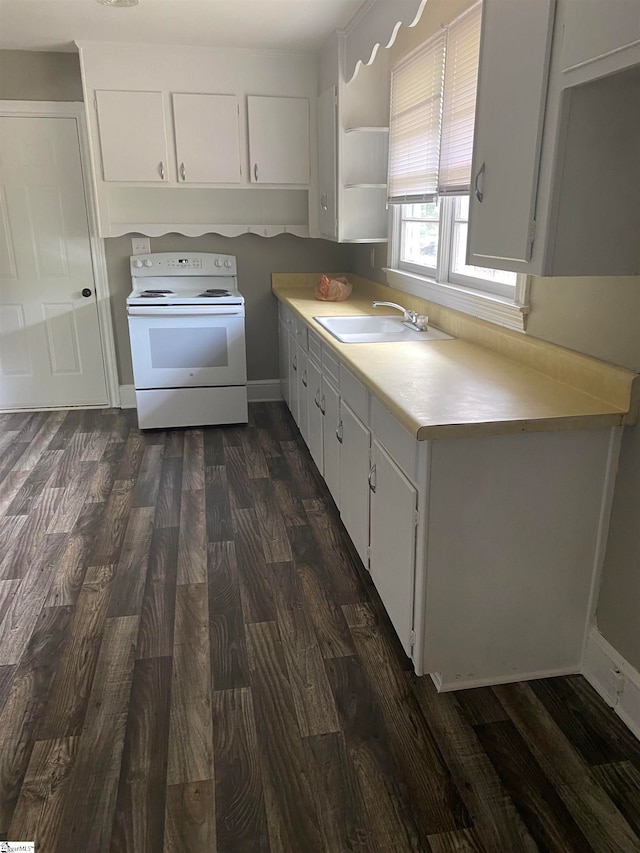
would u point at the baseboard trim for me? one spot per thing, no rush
(258, 391)
(127, 397)
(614, 678)
(443, 686)
(263, 390)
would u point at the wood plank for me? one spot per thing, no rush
(458, 841)
(148, 481)
(193, 464)
(190, 821)
(131, 571)
(229, 666)
(389, 820)
(34, 483)
(102, 481)
(139, 815)
(72, 565)
(108, 544)
(218, 508)
(6, 680)
(594, 730)
(240, 809)
(256, 463)
(169, 492)
(289, 503)
(192, 543)
(174, 444)
(10, 487)
(90, 806)
(158, 606)
(24, 548)
(436, 804)
(480, 705)
(40, 807)
(7, 592)
(275, 543)
(291, 813)
(621, 781)
(74, 449)
(255, 577)
(191, 735)
(591, 808)
(21, 616)
(38, 443)
(547, 818)
(340, 808)
(131, 458)
(312, 696)
(68, 696)
(214, 446)
(495, 816)
(240, 487)
(73, 500)
(24, 704)
(329, 623)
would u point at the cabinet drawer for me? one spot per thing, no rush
(330, 366)
(400, 444)
(315, 346)
(355, 394)
(285, 315)
(301, 334)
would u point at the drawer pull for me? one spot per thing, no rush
(339, 431)
(372, 478)
(304, 378)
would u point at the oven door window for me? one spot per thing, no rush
(174, 352)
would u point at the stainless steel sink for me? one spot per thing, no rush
(375, 328)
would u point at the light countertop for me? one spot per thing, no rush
(452, 388)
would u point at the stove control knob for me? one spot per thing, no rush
(148, 263)
(218, 262)
(227, 264)
(137, 264)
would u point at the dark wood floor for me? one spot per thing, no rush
(192, 659)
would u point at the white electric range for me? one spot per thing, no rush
(186, 327)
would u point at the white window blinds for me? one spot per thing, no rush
(433, 96)
(414, 125)
(459, 103)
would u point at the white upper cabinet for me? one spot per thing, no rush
(327, 175)
(512, 85)
(278, 140)
(133, 139)
(207, 138)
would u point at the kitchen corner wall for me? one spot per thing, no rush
(257, 258)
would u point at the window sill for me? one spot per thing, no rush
(484, 306)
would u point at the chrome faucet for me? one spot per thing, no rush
(410, 318)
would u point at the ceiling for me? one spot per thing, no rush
(291, 25)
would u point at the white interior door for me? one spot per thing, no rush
(50, 349)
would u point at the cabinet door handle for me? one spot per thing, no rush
(183, 172)
(161, 170)
(304, 378)
(323, 201)
(294, 362)
(322, 407)
(316, 400)
(372, 478)
(255, 171)
(479, 193)
(339, 432)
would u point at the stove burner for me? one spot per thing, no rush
(213, 292)
(150, 294)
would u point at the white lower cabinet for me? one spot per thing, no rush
(355, 446)
(283, 360)
(484, 550)
(392, 561)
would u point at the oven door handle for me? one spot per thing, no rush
(183, 310)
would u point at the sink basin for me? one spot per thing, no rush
(376, 328)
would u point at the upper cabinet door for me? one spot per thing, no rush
(278, 140)
(327, 176)
(596, 28)
(132, 135)
(207, 138)
(512, 87)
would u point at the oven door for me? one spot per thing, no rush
(181, 346)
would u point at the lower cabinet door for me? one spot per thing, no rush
(315, 418)
(283, 358)
(393, 540)
(354, 471)
(330, 443)
(303, 395)
(293, 378)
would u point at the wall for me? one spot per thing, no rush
(257, 258)
(27, 75)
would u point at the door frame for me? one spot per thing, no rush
(75, 110)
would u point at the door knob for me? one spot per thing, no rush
(86, 292)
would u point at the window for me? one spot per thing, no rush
(433, 92)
